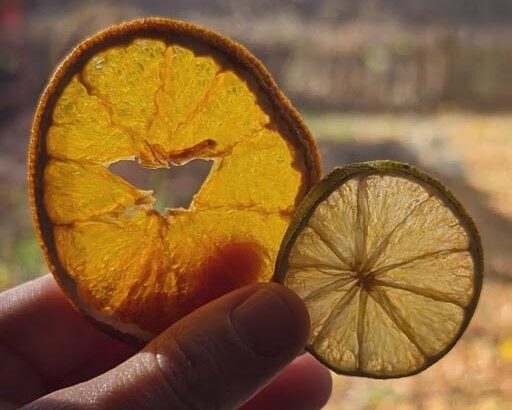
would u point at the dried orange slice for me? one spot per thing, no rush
(389, 265)
(163, 92)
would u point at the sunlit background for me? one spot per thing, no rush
(423, 81)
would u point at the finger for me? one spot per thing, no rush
(216, 358)
(48, 342)
(303, 385)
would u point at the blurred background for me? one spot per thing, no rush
(423, 81)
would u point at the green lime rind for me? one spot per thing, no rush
(337, 177)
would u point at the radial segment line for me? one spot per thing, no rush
(107, 217)
(363, 298)
(155, 155)
(331, 247)
(338, 283)
(338, 308)
(201, 101)
(156, 108)
(381, 247)
(385, 304)
(426, 255)
(361, 228)
(318, 266)
(108, 106)
(429, 294)
(321, 271)
(89, 88)
(246, 207)
(81, 161)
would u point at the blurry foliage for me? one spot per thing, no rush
(27, 254)
(327, 54)
(20, 256)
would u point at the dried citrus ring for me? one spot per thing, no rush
(163, 92)
(389, 265)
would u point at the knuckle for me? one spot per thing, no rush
(190, 372)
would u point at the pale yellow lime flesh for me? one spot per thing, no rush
(389, 266)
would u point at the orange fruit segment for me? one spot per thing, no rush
(162, 92)
(389, 265)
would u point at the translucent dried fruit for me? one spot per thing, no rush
(389, 266)
(162, 92)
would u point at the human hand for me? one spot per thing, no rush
(216, 358)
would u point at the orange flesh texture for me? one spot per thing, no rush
(161, 103)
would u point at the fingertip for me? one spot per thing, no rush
(272, 320)
(296, 306)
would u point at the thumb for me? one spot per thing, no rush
(215, 358)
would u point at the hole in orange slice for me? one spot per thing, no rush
(172, 187)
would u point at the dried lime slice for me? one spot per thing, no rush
(389, 265)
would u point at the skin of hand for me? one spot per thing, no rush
(239, 351)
